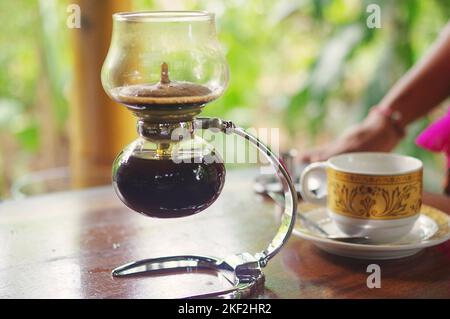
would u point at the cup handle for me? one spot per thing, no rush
(305, 177)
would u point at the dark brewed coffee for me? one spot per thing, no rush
(165, 189)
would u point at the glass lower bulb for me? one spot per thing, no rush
(163, 188)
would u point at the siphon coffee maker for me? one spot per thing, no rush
(165, 67)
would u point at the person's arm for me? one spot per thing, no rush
(424, 86)
(421, 89)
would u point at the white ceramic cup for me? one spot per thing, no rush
(377, 195)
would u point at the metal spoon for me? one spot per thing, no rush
(278, 199)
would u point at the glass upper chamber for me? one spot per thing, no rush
(164, 65)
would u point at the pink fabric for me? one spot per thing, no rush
(436, 137)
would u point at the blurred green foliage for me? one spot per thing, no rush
(310, 67)
(35, 72)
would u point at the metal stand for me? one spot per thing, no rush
(242, 270)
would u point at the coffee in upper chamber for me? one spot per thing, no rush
(150, 96)
(165, 94)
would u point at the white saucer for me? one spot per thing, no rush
(431, 228)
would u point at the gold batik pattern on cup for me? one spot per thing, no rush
(374, 196)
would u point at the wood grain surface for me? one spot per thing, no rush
(65, 245)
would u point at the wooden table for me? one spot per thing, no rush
(65, 245)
